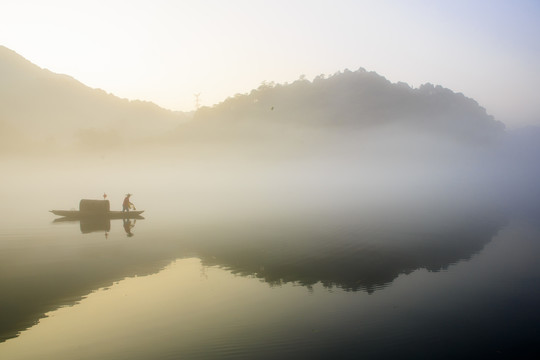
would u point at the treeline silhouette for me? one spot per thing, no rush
(41, 110)
(358, 99)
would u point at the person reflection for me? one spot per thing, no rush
(128, 225)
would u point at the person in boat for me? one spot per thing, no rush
(126, 205)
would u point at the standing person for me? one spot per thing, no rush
(127, 204)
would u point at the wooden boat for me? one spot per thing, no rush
(89, 209)
(77, 214)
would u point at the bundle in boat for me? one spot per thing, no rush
(94, 206)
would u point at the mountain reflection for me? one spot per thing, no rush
(361, 251)
(361, 258)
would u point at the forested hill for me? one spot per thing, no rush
(357, 99)
(40, 109)
(36, 103)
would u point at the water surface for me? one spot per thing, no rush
(266, 272)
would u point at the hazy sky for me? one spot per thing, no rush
(166, 51)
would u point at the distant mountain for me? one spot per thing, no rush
(42, 108)
(359, 99)
(36, 103)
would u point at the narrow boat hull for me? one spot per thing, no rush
(76, 214)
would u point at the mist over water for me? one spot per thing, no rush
(353, 216)
(341, 217)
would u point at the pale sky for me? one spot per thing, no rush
(166, 51)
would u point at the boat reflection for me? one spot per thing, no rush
(100, 224)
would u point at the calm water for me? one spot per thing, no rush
(265, 274)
